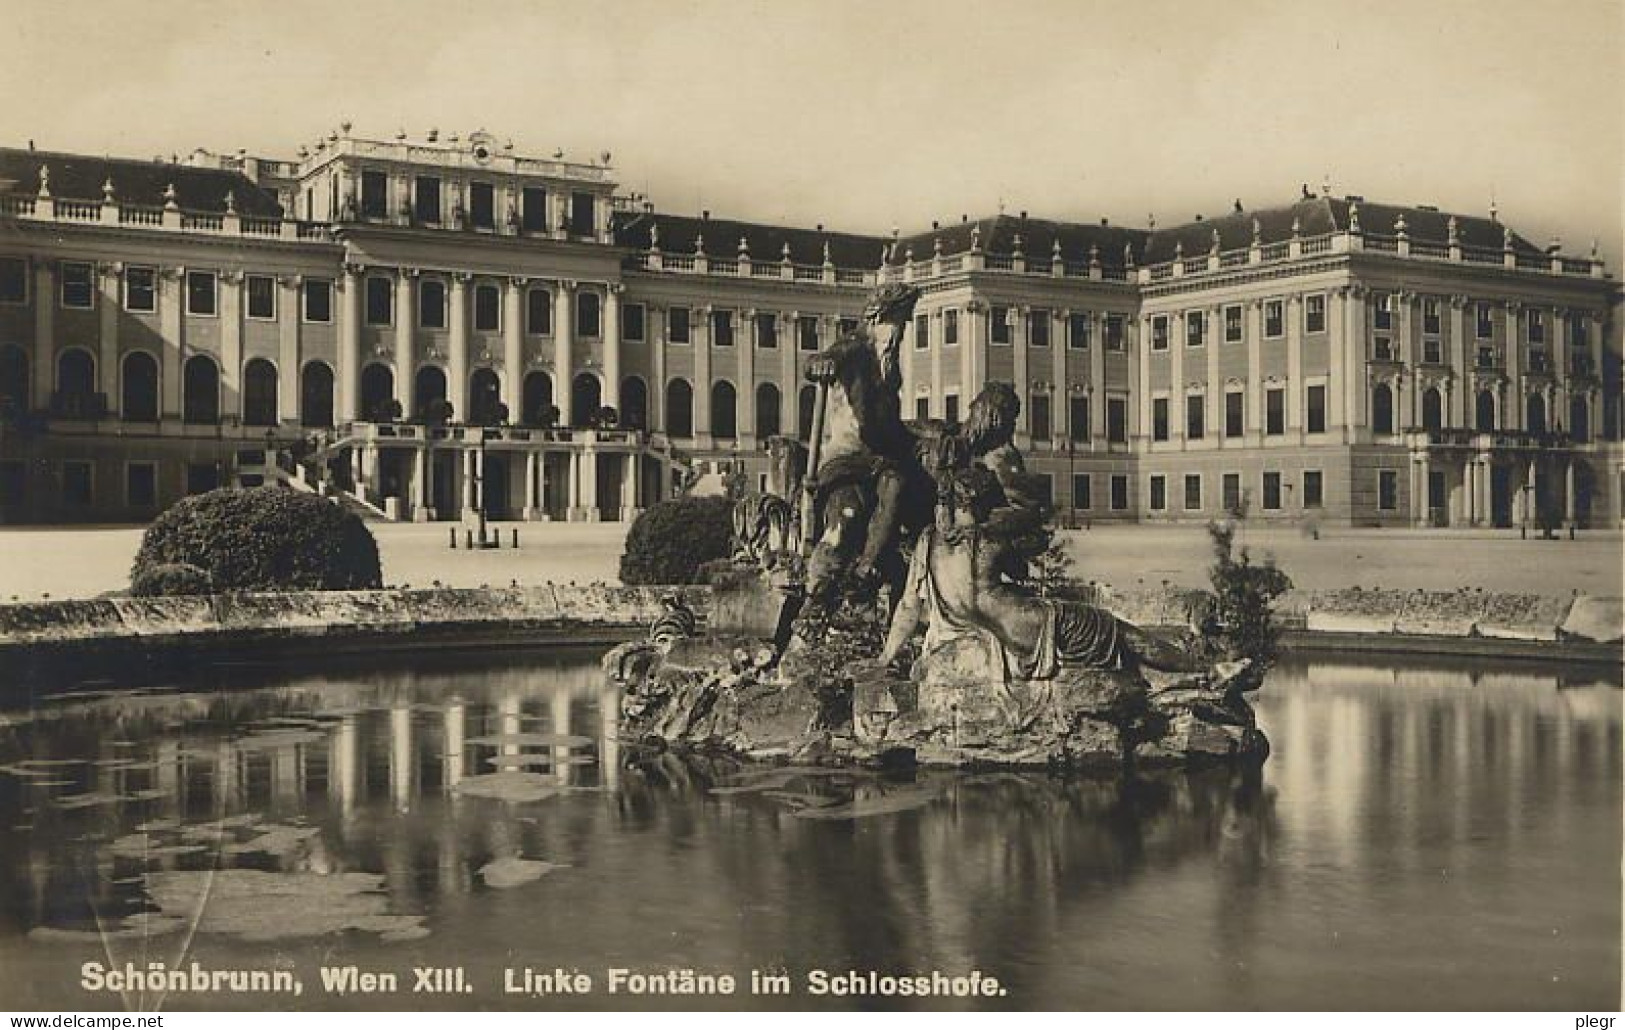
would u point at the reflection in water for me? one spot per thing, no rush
(1423, 836)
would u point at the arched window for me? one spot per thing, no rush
(315, 395)
(1535, 406)
(1382, 409)
(200, 391)
(634, 403)
(484, 398)
(1579, 419)
(804, 412)
(586, 397)
(538, 398)
(1432, 409)
(428, 389)
(378, 392)
(767, 411)
(679, 408)
(259, 393)
(138, 392)
(1484, 412)
(13, 379)
(724, 410)
(588, 315)
(76, 373)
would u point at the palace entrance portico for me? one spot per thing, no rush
(1461, 477)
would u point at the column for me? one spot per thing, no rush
(629, 487)
(589, 484)
(1061, 390)
(1486, 495)
(107, 359)
(1529, 507)
(1021, 316)
(369, 471)
(349, 343)
(1294, 368)
(1558, 334)
(572, 512)
(45, 301)
(405, 359)
(699, 331)
(470, 475)
(532, 478)
(172, 327)
(1142, 375)
(745, 344)
(1461, 404)
(1354, 361)
(231, 343)
(513, 347)
(1254, 329)
(1337, 367)
(1214, 385)
(420, 485)
(967, 351)
(655, 329)
(1513, 411)
(1097, 380)
(789, 382)
(563, 350)
(1568, 492)
(457, 364)
(939, 382)
(612, 345)
(1177, 330)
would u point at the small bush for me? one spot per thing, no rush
(173, 579)
(673, 541)
(267, 538)
(1242, 616)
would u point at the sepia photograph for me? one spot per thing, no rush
(528, 506)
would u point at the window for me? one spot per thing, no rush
(999, 327)
(846, 326)
(722, 329)
(922, 332)
(1537, 325)
(1117, 420)
(1114, 332)
(374, 194)
(1579, 331)
(1382, 349)
(1314, 313)
(583, 214)
(533, 209)
(1195, 328)
(487, 308)
(632, 322)
(1230, 492)
(1038, 328)
(767, 330)
(1193, 492)
(1077, 419)
(677, 325)
(589, 311)
(1387, 490)
(1235, 406)
(1119, 490)
(922, 408)
(76, 483)
(1430, 316)
(426, 198)
(13, 280)
(78, 291)
(807, 332)
(140, 288)
(1195, 416)
(1484, 322)
(200, 293)
(1313, 489)
(1232, 323)
(1382, 409)
(1316, 403)
(1159, 493)
(380, 300)
(261, 296)
(318, 300)
(1159, 332)
(1432, 352)
(1274, 411)
(1382, 316)
(1159, 419)
(1274, 319)
(1040, 416)
(950, 327)
(432, 304)
(141, 484)
(1077, 330)
(482, 205)
(1080, 491)
(1272, 491)
(950, 407)
(539, 311)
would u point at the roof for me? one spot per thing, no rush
(679, 233)
(80, 177)
(997, 235)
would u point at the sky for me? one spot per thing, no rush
(868, 115)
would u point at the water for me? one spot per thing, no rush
(1424, 837)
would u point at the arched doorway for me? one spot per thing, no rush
(485, 398)
(804, 412)
(724, 410)
(378, 393)
(767, 411)
(76, 373)
(634, 403)
(1535, 409)
(1484, 412)
(259, 393)
(1432, 408)
(315, 395)
(1382, 409)
(428, 390)
(138, 393)
(538, 399)
(13, 380)
(1580, 419)
(586, 397)
(679, 408)
(200, 391)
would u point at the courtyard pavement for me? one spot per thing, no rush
(64, 561)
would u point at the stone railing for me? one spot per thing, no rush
(167, 219)
(385, 432)
(746, 268)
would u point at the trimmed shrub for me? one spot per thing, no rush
(1242, 616)
(171, 579)
(673, 541)
(267, 538)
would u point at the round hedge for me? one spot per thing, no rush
(263, 539)
(674, 540)
(176, 579)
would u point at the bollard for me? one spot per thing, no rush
(453, 532)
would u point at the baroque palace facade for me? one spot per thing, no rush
(435, 327)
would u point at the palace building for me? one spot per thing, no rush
(434, 327)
